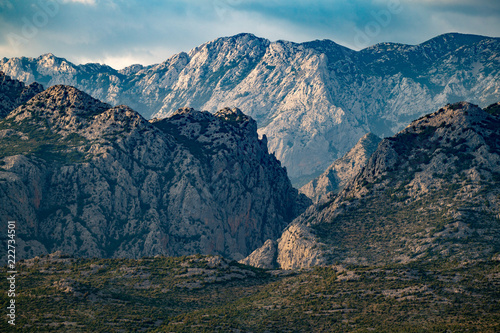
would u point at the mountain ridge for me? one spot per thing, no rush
(429, 193)
(313, 91)
(14, 93)
(337, 175)
(92, 180)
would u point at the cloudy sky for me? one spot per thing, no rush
(123, 32)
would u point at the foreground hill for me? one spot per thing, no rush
(211, 294)
(431, 193)
(80, 176)
(313, 100)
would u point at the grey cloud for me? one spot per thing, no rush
(150, 31)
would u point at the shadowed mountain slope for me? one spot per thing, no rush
(429, 193)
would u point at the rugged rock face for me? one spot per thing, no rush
(14, 93)
(342, 170)
(264, 257)
(313, 100)
(430, 192)
(88, 179)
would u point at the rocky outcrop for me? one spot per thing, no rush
(313, 100)
(337, 175)
(493, 109)
(14, 93)
(264, 257)
(429, 193)
(88, 179)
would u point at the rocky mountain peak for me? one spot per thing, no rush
(66, 111)
(422, 193)
(102, 181)
(31, 90)
(366, 145)
(427, 146)
(343, 170)
(8, 82)
(69, 97)
(368, 139)
(188, 121)
(115, 120)
(454, 40)
(238, 39)
(50, 59)
(456, 112)
(14, 93)
(58, 101)
(313, 100)
(49, 55)
(90, 68)
(131, 70)
(232, 115)
(184, 110)
(242, 46)
(187, 115)
(49, 63)
(493, 109)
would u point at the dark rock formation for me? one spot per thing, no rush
(14, 93)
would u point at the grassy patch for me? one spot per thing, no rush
(31, 139)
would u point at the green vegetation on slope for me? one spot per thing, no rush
(210, 294)
(454, 297)
(28, 138)
(109, 295)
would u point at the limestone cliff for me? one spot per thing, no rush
(337, 175)
(93, 180)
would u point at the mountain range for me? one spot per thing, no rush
(431, 193)
(313, 100)
(188, 222)
(91, 180)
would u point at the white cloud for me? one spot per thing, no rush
(123, 32)
(119, 60)
(83, 2)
